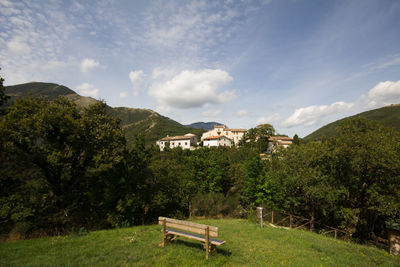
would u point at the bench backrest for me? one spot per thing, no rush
(189, 226)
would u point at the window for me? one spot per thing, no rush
(185, 143)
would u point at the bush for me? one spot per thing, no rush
(215, 204)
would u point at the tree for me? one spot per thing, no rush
(296, 140)
(57, 155)
(365, 164)
(258, 137)
(3, 96)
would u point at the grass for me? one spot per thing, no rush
(246, 244)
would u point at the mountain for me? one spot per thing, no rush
(133, 120)
(204, 125)
(388, 116)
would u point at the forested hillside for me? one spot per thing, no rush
(388, 116)
(134, 121)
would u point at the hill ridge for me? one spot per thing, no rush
(388, 116)
(134, 121)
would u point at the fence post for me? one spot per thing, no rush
(290, 221)
(272, 216)
(260, 215)
(335, 233)
(312, 222)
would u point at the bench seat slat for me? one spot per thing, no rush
(190, 229)
(192, 224)
(213, 241)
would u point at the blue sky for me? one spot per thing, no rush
(291, 63)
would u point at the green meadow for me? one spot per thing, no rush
(246, 244)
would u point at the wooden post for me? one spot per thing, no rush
(335, 233)
(163, 232)
(290, 221)
(312, 221)
(207, 241)
(272, 217)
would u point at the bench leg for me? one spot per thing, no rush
(163, 234)
(211, 248)
(170, 238)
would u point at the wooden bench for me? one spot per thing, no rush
(172, 228)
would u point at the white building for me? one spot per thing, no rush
(220, 130)
(278, 141)
(186, 141)
(220, 140)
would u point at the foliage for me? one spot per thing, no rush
(214, 205)
(350, 181)
(296, 140)
(53, 159)
(3, 96)
(66, 166)
(134, 121)
(388, 116)
(257, 138)
(257, 188)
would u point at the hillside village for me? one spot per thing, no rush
(219, 136)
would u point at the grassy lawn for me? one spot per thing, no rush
(247, 244)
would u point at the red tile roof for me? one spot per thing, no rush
(237, 130)
(172, 138)
(280, 138)
(215, 137)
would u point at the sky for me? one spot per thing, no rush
(295, 64)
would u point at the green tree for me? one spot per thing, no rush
(257, 138)
(3, 96)
(296, 140)
(365, 164)
(257, 182)
(62, 154)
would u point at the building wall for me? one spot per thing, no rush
(184, 143)
(208, 143)
(217, 142)
(236, 136)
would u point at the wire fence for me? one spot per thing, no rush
(290, 221)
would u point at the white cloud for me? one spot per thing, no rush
(136, 80)
(87, 89)
(88, 64)
(162, 73)
(242, 113)
(18, 46)
(54, 65)
(211, 113)
(123, 95)
(311, 115)
(384, 93)
(269, 119)
(191, 89)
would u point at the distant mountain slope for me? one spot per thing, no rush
(204, 125)
(388, 116)
(134, 121)
(48, 90)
